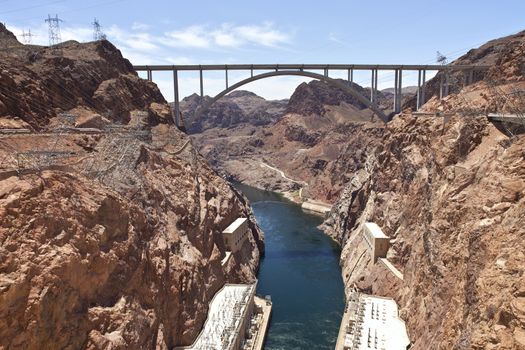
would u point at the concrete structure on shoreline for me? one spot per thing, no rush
(316, 207)
(377, 241)
(372, 322)
(235, 234)
(237, 320)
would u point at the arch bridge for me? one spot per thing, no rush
(309, 70)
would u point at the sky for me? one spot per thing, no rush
(271, 31)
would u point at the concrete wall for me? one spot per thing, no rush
(378, 243)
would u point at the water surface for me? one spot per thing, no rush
(300, 270)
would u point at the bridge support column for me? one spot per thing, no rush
(351, 76)
(447, 81)
(398, 90)
(326, 72)
(373, 90)
(226, 76)
(150, 75)
(441, 85)
(423, 88)
(176, 106)
(421, 85)
(201, 83)
(418, 94)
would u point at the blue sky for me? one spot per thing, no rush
(201, 32)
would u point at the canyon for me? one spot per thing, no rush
(446, 185)
(111, 216)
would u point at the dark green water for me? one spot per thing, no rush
(301, 272)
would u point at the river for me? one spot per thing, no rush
(301, 273)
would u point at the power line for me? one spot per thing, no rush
(31, 7)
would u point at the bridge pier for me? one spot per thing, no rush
(351, 76)
(421, 87)
(444, 84)
(201, 83)
(226, 76)
(373, 90)
(176, 106)
(150, 75)
(398, 90)
(447, 78)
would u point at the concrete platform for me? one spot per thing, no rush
(260, 337)
(316, 207)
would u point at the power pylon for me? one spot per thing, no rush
(97, 31)
(54, 30)
(441, 59)
(26, 37)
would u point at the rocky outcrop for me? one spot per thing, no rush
(49, 81)
(505, 56)
(235, 109)
(110, 239)
(311, 98)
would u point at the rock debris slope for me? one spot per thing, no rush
(115, 242)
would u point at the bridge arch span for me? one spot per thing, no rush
(321, 77)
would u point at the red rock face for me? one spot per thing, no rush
(451, 198)
(85, 266)
(117, 245)
(449, 192)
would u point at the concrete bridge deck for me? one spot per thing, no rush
(307, 70)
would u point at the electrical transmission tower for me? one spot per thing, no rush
(54, 30)
(441, 59)
(97, 31)
(26, 37)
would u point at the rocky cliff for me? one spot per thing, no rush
(110, 237)
(449, 192)
(239, 108)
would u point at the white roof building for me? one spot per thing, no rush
(374, 323)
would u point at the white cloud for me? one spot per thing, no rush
(139, 26)
(227, 35)
(192, 37)
(335, 39)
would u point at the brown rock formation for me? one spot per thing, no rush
(235, 109)
(449, 192)
(311, 144)
(113, 241)
(49, 81)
